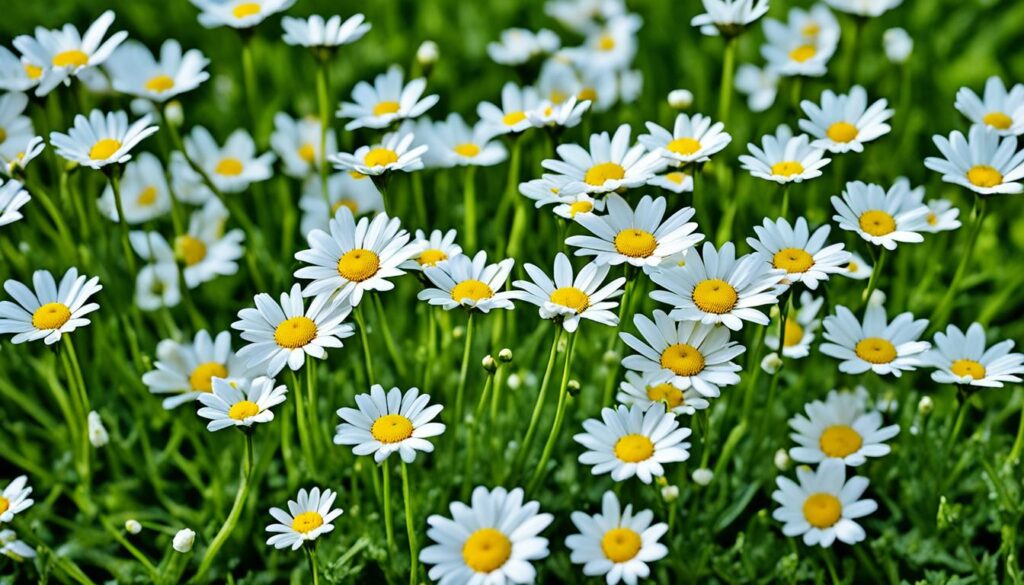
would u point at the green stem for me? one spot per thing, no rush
(538, 406)
(556, 427)
(961, 415)
(725, 91)
(367, 358)
(941, 313)
(389, 525)
(154, 574)
(851, 53)
(469, 208)
(471, 449)
(873, 281)
(115, 185)
(249, 78)
(513, 198)
(389, 341)
(324, 106)
(1018, 443)
(302, 421)
(310, 551)
(236, 510)
(784, 207)
(410, 525)
(463, 374)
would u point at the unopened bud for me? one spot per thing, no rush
(877, 298)
(132, 526)
(702, 476)
(925, 405)
(771, 363)
(489, 363)
(97, 433)
(610, 357)
(898, 45)
(514, 382)
(183, 540)
(670, 493)
(174, 113)
(781, 460)
(680, 99)
(428, 53)
(505, 355)
(458, 332)
(574, 388)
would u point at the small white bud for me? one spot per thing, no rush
(771, 363)
(781, 460)
(898, 45)
(183, 540)
(505, 355)
(24, 247)
(702, 476)
(925, 405)
(428, 53)
(680, 99)
(489, 363)
(97, 433)
(611, 357)
(514, 382)
(174, 113)
(877, 298)
(458, 332)
(774, 312)
(670, 493)
(132, 526)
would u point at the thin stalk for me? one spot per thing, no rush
(310, 550)
(538, 406)
(873, 281)
(115, 185)
(513, 198)
(469, 208)
(389, 340)
(941, 313)
(784, 206)
(463, 374)
(236, 510)
(851, 53)
(1018, 443)
(302, 422)
(474, 427)
(367, 358)
(963, 406)
(410, 525)
(249, 79)
(389, 524)
(725, 91)
(556, 427)
(324, 107)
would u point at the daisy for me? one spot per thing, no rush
(802, 255)
(640, 390)
(15, 499)
(566, 114)
(583, 16)
(865, 8)
(566, 300)
(233, 404)
(101, 139)
(233, 167)
(352, 190)
(468, 282)
(784, 158)
(392, 154)
(354, 257)
(858, 268)
(998, 109)
(17, 74)
(144, 192)
(492, 540)
(284, 334)
(315, 32)
(804, 44)
(136, 72)
(427, 251)
(62, 54)
(631, 441)
(716, 287)
(830, 430)
(799, 329)
(843, 123)
(13, 548)
(759, 85)
(387, 101)
(548, 191)
(982, 162)
(691, 140)
(612, 47)
(685, 354)
(824, 506)
(186, 370)
(297, 142)
(15, 129)
(239, 14)
(616, 543)
(12, 199)
(157, 284)
(881, 217)
(50, 310)
(188, 185)
(394, 422)
(517, 46)
(676, 182)
(942, 216)
(205, 250)
(898, 45)
(309, 516)
(961, 358)
(875, 345)
(728, 17)
(641, 237)
(510, 118)
(15, 165)
(610, 165)
(454, 144)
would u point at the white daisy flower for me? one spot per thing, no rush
(17, 74)
(566, 114)
(157, 284)
(566, 299)
(802, 255)
(284, 334)
(387, 101)
(187, 184)
(686, 354)
(13, 548)
(205, 250)
(15, 164)
(315, 32)
(804, 44)
(144, 192)
(716, 287)
(233, 167)
(961, 358)
(394, 422)
(884, 348)
(692, 140)
(759, 85)
(898, 45)
(517, 46)
(240, 14)
(865, 8)
(454, 144)
(510, 117)
(800, 327)
(616, 543)
(632, 441)
(62, 54)
(354, 257)
(858, 268)
(347, 189)
(612, 47)
(998, 109)
(784, 158)
(308, 516)
(467, 282)
(824, 506)
(394, 153)
(982, 162)
(297, 142)
(830, 430)
(843, 123)
(427, 250)
(15, 129)
(676, 182)
(101, 139)
(12, 198)
(583, 16)
(728, 17)
(641, 237)
(881, 217)
(492, 540)
(136, 72)
(942, 216)
(610, 165)
(49, 311)
(186, 370)
(642, 391)
(548, 191)
(15, 498)
(234, 404)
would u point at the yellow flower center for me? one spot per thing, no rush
(635, 243)
(932, 219)
(383, 108)
(307, 153)
(243, 410)
(513, 118)
(356, 175)
(684, 146)
(486, 549)
(201, 379)
(72, 58)
(391, 428)
(307, 522)
(246, 9)
(793, 334)
(295, 332)
(667, 393)
(793, 260)
(601, 172)
(431, 257)
(33, 71)
(51, 316)
(840, 441)
(587, 93)
(998, 120)
(229, 166)
(572, 297)
(620, 544)
(676, 177)
(875, 350)
(811, 29)
(634, 448)
(5, 504)
(159, 84)
(787, 168)
(580, 207)
(556, 97)
(350, 203)
(104, 149)
(380, 157)
(606, 43)
(876, 222)
(984, 176)
(189, 250)
(803, 53)
(467, 149)
(683, 359)
(358, 265)
(968, 368)
(842, 132)
(3, 135)
(852, 267)
(714, 296)
(146, 197)
(474, 290)
(822, 510)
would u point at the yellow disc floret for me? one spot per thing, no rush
(598, 174)
(572, 297)
(51, 316)
(875, 350)
(635, 243)
(295, 332)
(840, 441)
(683, 359)
(243, 410)
(486, 549)
(391, 428)
(201, 378)
(620, 544)
(714, 296)
(822, 510)
(634, 448)
(358, 265)
(472, 289)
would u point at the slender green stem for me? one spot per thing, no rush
(963, 406)
(410, 526)
(613, 341)
(784, 206)
(310, 550)
(114, 533)
(830, 565)
(115, 185)
(389, 340)
(873, 281)
(76, 416)
(311, 404)
(236, 510)
(389, 525)
(1018, 443)
(556, 427)
(249, 78)
(324, 107)
(469, 208)
(475, 431)
(849, 72)
(513, 198)
(941, 313)
(367, 358)
(538, 406)
(725, 91)
(302, 422)
(460, 391)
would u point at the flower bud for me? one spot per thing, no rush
(898, 45)
(670, 493)
(680, 99)
(183, 540)
(574, 388)
(702, 476)
(97, 433)
(174, 113)
(514, 382)
(771, 363)
(925, 405)
(428, 53)
(505, 355)
(781, 460)
(489, 363)
(458, 332)
(610, 357)
(132, 526)
(877, 298)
